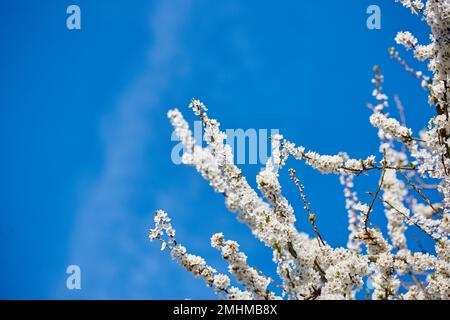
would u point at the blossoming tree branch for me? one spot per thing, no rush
(308, 268)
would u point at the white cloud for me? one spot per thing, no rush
(115, 258)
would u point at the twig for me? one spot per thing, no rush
(376, 193)
(401, 110)
(406, 217)
(371, 167)
(421, 194)
(395, 55)
(312, 216)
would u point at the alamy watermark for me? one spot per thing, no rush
(73, 281)
(251, 146)
(373, 21)
(73, 21)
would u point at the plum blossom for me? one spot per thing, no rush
(379, 261)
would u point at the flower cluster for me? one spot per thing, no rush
(248, 276)
(307, 266)
(390, 127)
(164, 232)
(416, 6)
(406, 39)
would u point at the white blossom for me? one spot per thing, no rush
(307, 266)
(406, 39)
(390, 127)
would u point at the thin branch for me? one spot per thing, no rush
(371, 167)
(406, 217)
(376, 193)
(312, 216)
(401, 110)
(418, 75)
(417, 189)
(422, 184)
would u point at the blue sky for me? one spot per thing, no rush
(85, 143)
